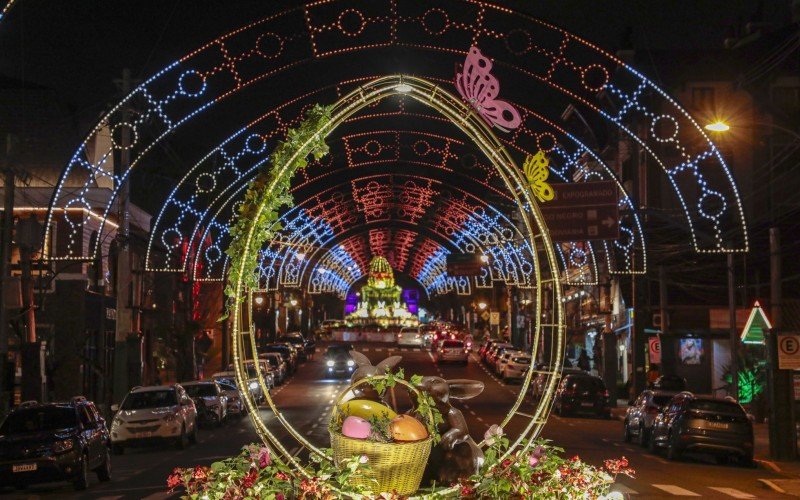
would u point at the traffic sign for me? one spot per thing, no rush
(788, 352)
(494, 318)
(654, 343)
(583, 211)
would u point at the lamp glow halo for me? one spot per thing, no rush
(545, 265)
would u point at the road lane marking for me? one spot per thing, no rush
(675, 490)
(771, 465)
(732, 492)
(774, 487)
(621, 488)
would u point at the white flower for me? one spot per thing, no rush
(363, 459)
(492, 433)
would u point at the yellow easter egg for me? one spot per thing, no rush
(366, 409)
(405, 428)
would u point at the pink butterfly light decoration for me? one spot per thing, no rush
(478, 87)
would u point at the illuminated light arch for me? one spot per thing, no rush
(565, 166)
(551, 56)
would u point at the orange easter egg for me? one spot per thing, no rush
(405, 428)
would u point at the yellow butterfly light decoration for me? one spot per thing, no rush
(536, 170)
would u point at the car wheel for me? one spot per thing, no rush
(673, 453)
(180, 443)
(643, 436)
(117, 449)
(627, 433)
(82, 481)
(193, 435)
(104, 471)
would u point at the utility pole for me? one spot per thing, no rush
(782, 431)
(667, 355)
(124, 324)
(734, 335)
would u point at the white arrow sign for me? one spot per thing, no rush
(609, 222)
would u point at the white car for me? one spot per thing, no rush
(209, 394)
(410, 336)
(236, 405)
(451, 350)
(516, 367)
(154, 414)
(500, 362)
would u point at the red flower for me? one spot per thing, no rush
(280, 496)
(467, 490)
(173, 481)
(250, 479)
(282, 476)
(199, 474)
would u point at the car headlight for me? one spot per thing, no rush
(350, 362)
(253, 385)
(62, 446)
(329, 363)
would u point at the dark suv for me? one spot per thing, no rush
(582, 393)
(42, 443)
(338, 362)
(717, 426)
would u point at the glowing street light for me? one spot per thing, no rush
(482, 305)
(718, 126)
(293, 302)
(259, 300)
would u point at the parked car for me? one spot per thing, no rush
(582, 393)
(410, 336)
(516, 367)
(285, 350)
(539, 382)
(338, 362)
(642, 413)
(672, 383)
(496, 351)
(487, 344)
(298, 342)
(42, 443)
(153, 414)
(500, 362)
(277, 364)
(235, 403)
(252, 382)
(264, 369)
(451, 350)
(705, 424)
(210, 401)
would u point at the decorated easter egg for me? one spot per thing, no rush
(356, 427)
(367, 409)
(407, 428)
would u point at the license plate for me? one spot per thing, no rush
(144, 434)
(717, 425)
(587, 405)
(24, 468)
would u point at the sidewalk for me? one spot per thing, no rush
(789, 484)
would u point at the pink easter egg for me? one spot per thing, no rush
(356, 428)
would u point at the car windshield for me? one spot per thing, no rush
(453, 343)
(661, 400)
(586, 383)
(273, 361)
(522, 360)
(250, 368)
(149, 399)
(201, 390)
(715, 406)
(227, 386)
(337, 350)
(39, 419)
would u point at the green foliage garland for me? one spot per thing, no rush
(267, 194)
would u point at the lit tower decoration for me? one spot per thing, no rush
(381, 299)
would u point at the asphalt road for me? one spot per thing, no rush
(307, 398)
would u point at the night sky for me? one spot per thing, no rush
(78, 46)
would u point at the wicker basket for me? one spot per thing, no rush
(397, 467)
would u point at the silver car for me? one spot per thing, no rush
(236, 405)
(642, 413)
(451, 350)
(517, 367)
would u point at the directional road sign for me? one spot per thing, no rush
(583, 211)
